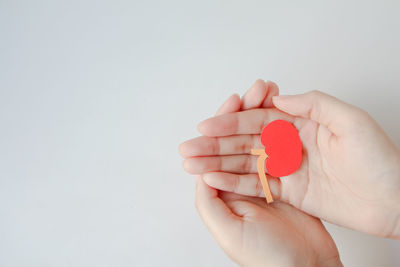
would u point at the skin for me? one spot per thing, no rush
(250, 231)
(350, 173)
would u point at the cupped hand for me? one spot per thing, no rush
(350, 174)
(251, 232)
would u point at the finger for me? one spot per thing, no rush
(213, 146)
(259, 95)
(232, 104)
(327, 110)
(273, 90)
(244, 122)
(229, 197)
(219, 219)
(243, 184)
(234, 164)
(244, 206)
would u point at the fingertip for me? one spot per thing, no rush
(182, 149)
(259, 83)
(187, 165)
(221, 125)
(235, 97)
(232, 104)
(272, 84)
(184, 165)
(272, 90)
(205, 193)
(202, 127)
(255, 95)
(209, 179)
(192, 147)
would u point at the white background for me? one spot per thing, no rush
(95, 97)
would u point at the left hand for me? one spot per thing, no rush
(254, 233)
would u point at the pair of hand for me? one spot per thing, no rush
(350, 176)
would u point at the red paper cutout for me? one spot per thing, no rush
(283, 148)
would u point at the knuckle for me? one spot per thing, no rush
(255, 141)
(361, 114)
(314, 111)
(246, 207)
(236, 184)
(360, 119)
(246, 164)
(213, 146)
(258, 188)
(242, 147)
(315, 93)
(245, 146)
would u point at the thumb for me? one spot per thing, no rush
(324, 109)
(216, 215)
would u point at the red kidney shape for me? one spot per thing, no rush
(283, 146)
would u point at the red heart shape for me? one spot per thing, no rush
(283, 147)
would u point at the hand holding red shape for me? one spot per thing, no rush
(282, 155)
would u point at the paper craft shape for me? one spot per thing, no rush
(282, 154)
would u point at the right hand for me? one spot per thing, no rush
(350, 174)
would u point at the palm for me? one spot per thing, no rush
(349, 176)
(272, 234)
(337, 178)
(334, 181)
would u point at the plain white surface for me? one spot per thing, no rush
(94, 94)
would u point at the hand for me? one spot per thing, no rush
(350, 174)
(253, 233)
